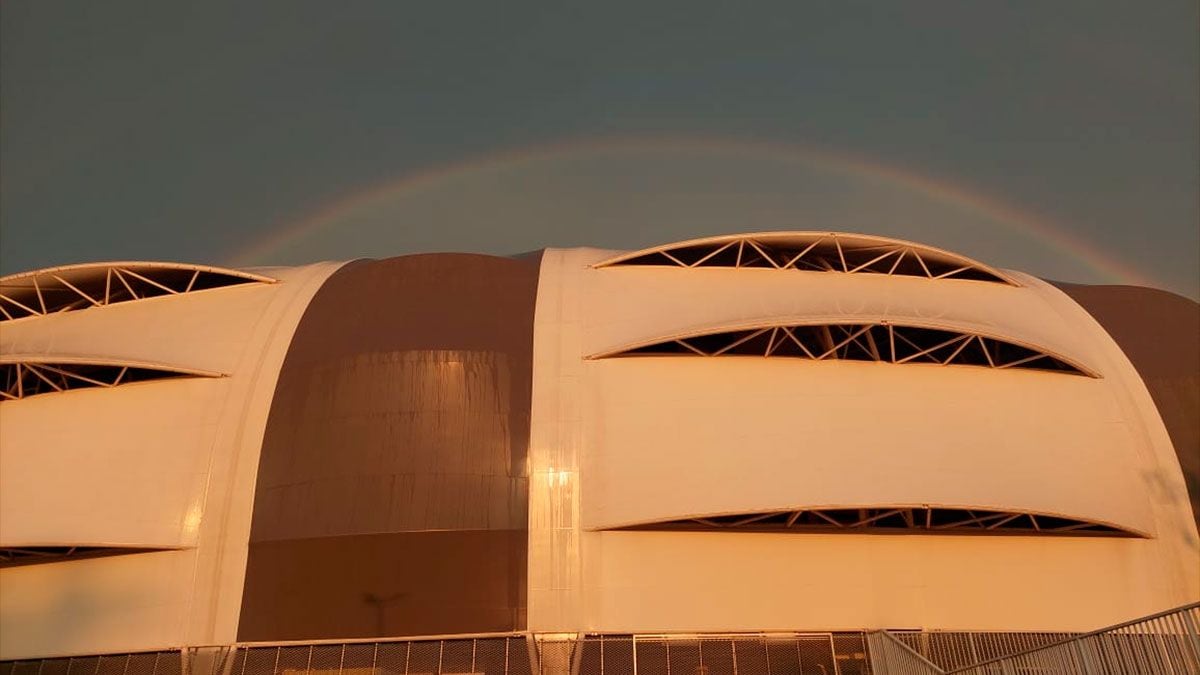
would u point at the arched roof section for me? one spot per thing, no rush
(893, 519)
(817, 252)
(24, 376)
(72, 287)
(883, 342)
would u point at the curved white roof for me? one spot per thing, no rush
(815, 251)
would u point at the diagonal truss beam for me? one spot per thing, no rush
(73, 287)
(163, 287)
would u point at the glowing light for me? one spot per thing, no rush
(555, 477)
(191, 521)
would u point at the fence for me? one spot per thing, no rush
(141, 663)
(950, 650)
(504, 654)
(1162, 644)
(891, 656)
(766, 654)
(509, 654)
(1167, 643)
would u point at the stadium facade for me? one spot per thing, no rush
(764, 434)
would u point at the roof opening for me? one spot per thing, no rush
(24, 378)
(894, 520)
(15, 556)
(63, 289)
(881, 342)
(815, 252)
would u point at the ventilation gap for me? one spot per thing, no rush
(17, 556)
(819, 252)
(25, 378)
(893, 520)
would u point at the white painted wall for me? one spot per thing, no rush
(126, 466)
(672, 437)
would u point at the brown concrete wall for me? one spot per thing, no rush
(1160, 333)
(406, 583)
(392, 491)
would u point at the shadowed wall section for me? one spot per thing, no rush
(392, 492)
(1159, 333)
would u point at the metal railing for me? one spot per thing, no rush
(494, 654)
(714, 654)
(949, 650)
(137, 663)
(1167, 643)
(891, 656)
(503, 655)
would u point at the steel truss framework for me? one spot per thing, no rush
(818, 252)
(63, 289)
(883, 342)
(894, 520)
(33, 555)
(25, 378)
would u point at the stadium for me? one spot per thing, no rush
(784, 452)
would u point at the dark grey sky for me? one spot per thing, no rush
(1058, 137)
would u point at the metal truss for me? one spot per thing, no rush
(23, 378)
(32, 555)
(895, 520)
(818, 252)
(63, 289)
(883, 342)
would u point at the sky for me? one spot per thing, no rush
(1060, 138)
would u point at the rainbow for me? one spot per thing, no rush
(1038, 227)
